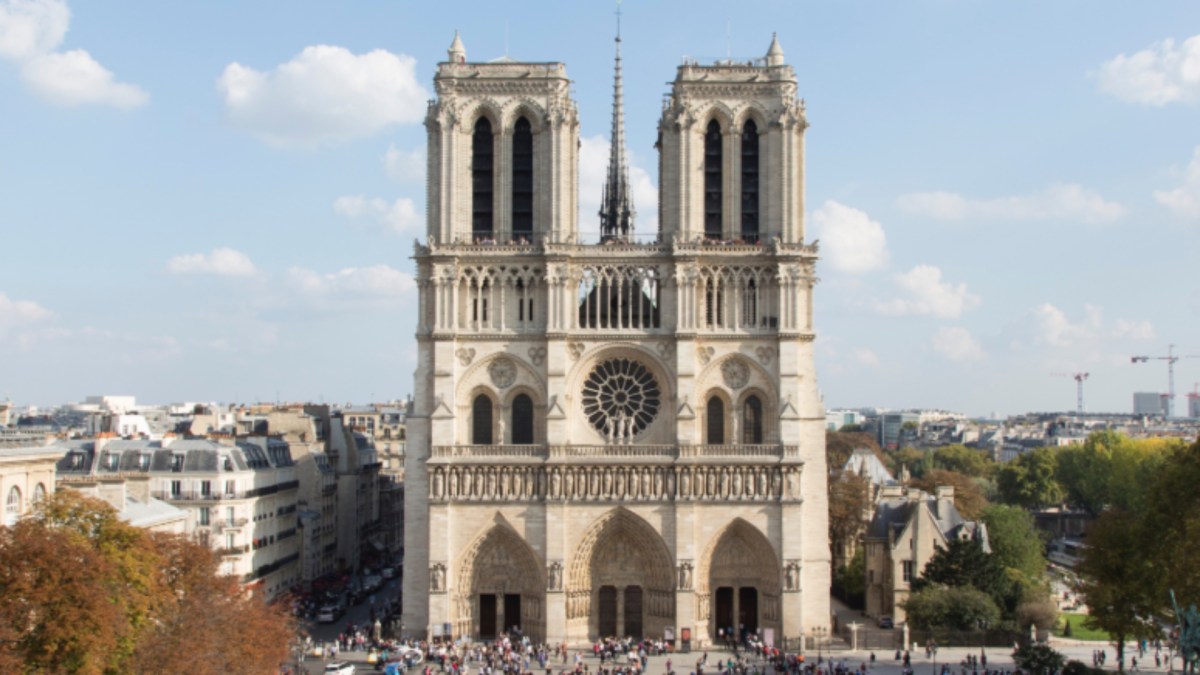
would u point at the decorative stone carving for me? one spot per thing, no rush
(685, 575)
(503, 372)
(554, 576)
(736, 373)
(621, 398)
(705, 354)
(765, 354)
(465, 355)
(437, 578)
(575, 350)
(666, 350)
(537, 355)
(791, 576)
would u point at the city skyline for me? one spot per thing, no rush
(217, 202)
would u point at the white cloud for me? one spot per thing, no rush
(956, 344)
(1184, 200)
(400, 216)
(29, 28)
(1134, 330)
(866, 357)
(1062, 201)
(405, 165)
(850, 240)
(31, 31)
(20, 312)
(925, 294)
(379, 285)
(324, 95)
(1158, 75)
(222, 262)
(593, 167)
(1055, 329)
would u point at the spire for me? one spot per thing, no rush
(616, 206)
(775, 52)
(457, 52)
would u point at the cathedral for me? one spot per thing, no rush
(613, 432)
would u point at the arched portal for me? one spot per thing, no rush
(621, 580)
(738, 584)
(500, 587)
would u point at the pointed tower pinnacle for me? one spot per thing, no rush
(616, 206)
(775, 52)
(457, 52)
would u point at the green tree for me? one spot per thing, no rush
(951, 608)
(1173, 518)
(849, 506)
(964, 460)
(908, 458)
(968, 494)
(1111, 469)
(839, 445)
(1118, 582)
(1039, 659)
(1015, 542)
(1030, 480)
(963, 562)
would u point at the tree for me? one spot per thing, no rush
(909, 458)
(88, 593)
(1014, 541)
(1173, 519)
(1029, 480)
(839, 445)
(850, 580)
(963, 562)
(849, 505)
(964, 460)
(1039, 659)
(1110, 469)
(951, 608)
(968, 496)
(1118, 579)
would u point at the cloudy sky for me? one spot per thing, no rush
(217, 200)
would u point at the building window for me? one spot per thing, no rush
(870, 576)
(205, 488)
(750, 182)
(230, 487)
(204, 517)
(39, 493)
(12, 507)
(752, 421)
(176, 488)
(177, 463)
(908, 571)
(713, 315)
(522, 181)
(712, 181)
(716, 421)
(481, 179)
(229, 515)
(522, 420)
(481, 420)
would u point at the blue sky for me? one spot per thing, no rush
(217, 200)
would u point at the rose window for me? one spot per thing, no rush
(621, 398)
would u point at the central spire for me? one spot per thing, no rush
(616, 206)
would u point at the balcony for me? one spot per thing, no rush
(233, 550)
(464, 451)
(660, 452)
(223, 524)
(194, 496)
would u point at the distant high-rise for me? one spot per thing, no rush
(1151, 403)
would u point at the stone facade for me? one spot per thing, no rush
(616, 438)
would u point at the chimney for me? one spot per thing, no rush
(113, 492)
(945, 500)
(138, 487)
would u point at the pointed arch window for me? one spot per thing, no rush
(715, 420)
(750, 182)
(522, 181)
(522, 420)
(481, 420)
(713, 314)
(482, 155)
(12, 508)
(752, 421)
(712, 181)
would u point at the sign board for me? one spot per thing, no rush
(768, 636)
(669, 633)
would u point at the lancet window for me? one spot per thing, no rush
(712, 181)
(482, 169)
(481, 420)
(739, 298)
(715, 421)
(498, 299)
(522, 181)
(618, 297)
(752, 420)
(522, 420)
(750, 182)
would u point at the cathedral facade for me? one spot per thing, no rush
(614, 433)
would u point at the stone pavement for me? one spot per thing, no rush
(885, 663)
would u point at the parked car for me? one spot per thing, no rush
(886, 622)
(339, 668)
(329, 614)
(388, 572)
(372, 583)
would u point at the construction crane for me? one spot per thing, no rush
(1170, 358)
(1079, 378)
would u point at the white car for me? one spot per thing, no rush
(339, 668)
(328, 614)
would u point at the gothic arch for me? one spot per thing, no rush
(531, 111)
(500, 562)
(477, 375)
(485, 107)
(717, 111)
(739, 551)
(752, 111)
(620, 550)
(661, 429)
(759, 380)
(727, 409)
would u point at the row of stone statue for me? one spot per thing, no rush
(588, 483)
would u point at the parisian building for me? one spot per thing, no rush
(614, 432)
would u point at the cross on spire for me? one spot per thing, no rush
(616, 206)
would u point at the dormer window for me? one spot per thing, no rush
(177, 462)
(228, 464)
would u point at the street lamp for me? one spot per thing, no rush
(820, 632)
(933, 650)
(854, 626)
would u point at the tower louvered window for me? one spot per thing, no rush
(482, 155)
(750, 182)
(522, 181)
(712, 181)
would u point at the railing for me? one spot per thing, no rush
(650, 244)
(234, 550)
(594, 451)
(272, 489)
(195, 496)
(667, 451)
(756, 450)
(221, 524)
(538, 451)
